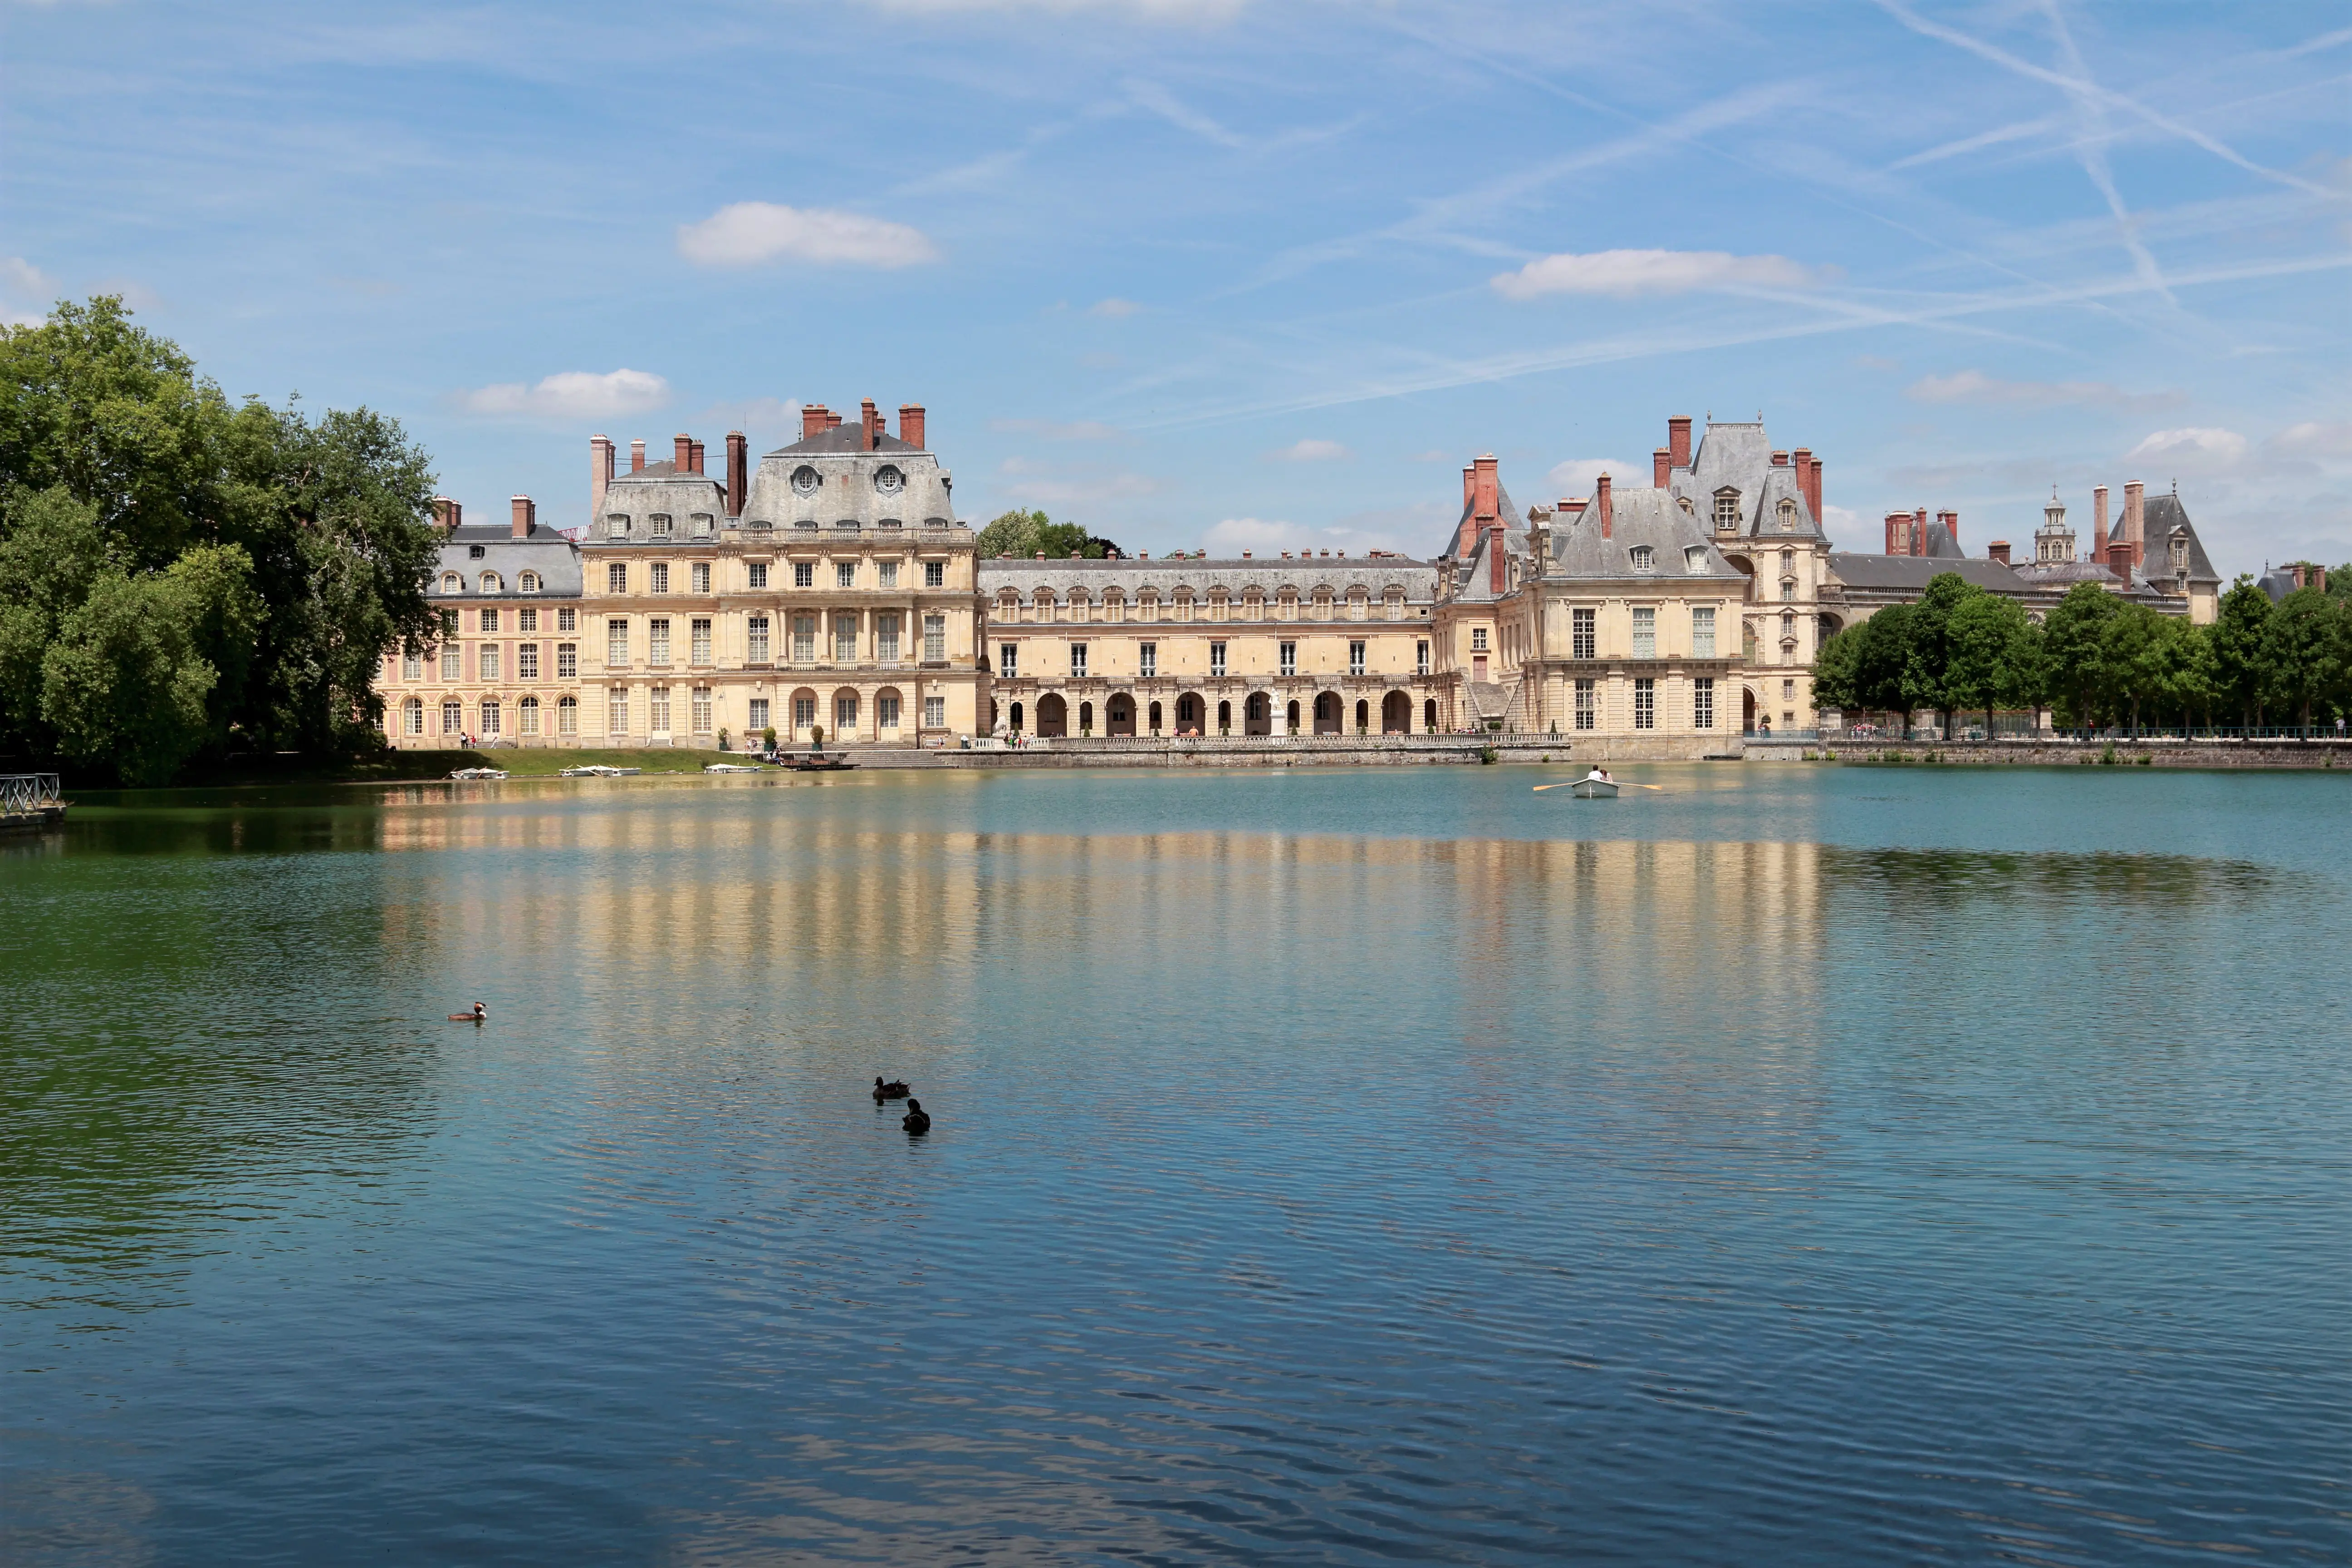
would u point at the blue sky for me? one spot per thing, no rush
(1247, 273)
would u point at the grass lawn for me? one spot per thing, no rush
(547, 761)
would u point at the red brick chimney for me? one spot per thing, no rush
(1661, 462)
(738, 472)
(2099, 523)
(1998, 550)
(1951, 525)
(813, 419)
(1678, 432)
(910, 424)
(1487, 504)
(1813, 494)
(1779, 459)
(446, 513)
(2135, 516)
(600, 473)
(1919, 531)
(869, 422)
(1802, 459)
(832, 420)
(2319, 578)
(698, 457)
(525, 514)
(1601, 500)
(638, 456)
(682, 454)
(2297, 570)
(1898, 533)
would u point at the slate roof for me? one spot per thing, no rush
(1374, 574)
(1914, 572)
(845, 437)
(1739, 454)
(1637, 517)
(555, 558)
(2159, 515)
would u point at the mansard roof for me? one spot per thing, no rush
(1857, 570)
(1638, 519)
(546, 552)
(1375, 575)
(2159, 516)
(1739, 455)
(845, 437)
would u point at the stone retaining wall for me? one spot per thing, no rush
(2078, 753)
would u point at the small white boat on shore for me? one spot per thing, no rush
(475, 775)
(731, 768)
(595, 771)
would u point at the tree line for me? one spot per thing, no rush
(2097, 659)
(183, 576)
(1022, 534)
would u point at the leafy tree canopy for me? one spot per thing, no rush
(1022, 534)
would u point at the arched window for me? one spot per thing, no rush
(451, 583)
(528, 582)
(412, 717)
(489, 583)
(567, 716)
(529, 721)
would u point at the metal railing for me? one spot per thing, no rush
(29, 792)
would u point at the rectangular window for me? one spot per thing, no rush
(697, 631)
(1703, 631)
(702, 709)
(885, 638)
(803, 574)
(1147, 656)
(1645, 703)
(413, 717)
(567, 620)
(756, 640)
(660, 520)
(935, 639)
(616, 714)
(448, 623)
(658, 716)
(1355, 658)
(845, 637)
(758, 720)
(452, 664)
(1216, 658)
(1287, 657)
(1421, 659)
(1078, 659)
(1579, 634)
(1788, 591)
(804, 712)
(1788, 691)
(567, 661)
(805, 640)
(527, 618)
(617, 643)
(1008, 661)
(489, 619)
(845, 716)
(935, 712)
(567, 716)
(1587, 708)
(699, 575)
(490, 718)
(759, 570)
(527, 662)
(411, 667)
(1477, 639)
(885, 572)
(617, 578)
(530, 715)
(657, 641)
(935, 573)
(1703, 703)
(661, 576)
(453, 718)
(886, 711)
(844, 574)
(1645, 633)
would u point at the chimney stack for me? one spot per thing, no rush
(1919, 531)
(600, 473)
(1601, 500)
(1661, 463)
(1678, 432)
(2319, 578)
(870, 421)
(637, 455)
(1952, 522)
(446, 513)
(682, 454)
(1489, 505)
(1898, 533)
(1813, 494)
(697, 454)
(1998, 550)
(832, 420)
(2134, 518)
(813, 419)
(525, 514)
(2297, 570)
(910, 424)
(738, 472)
(2099, 523)
(1802, 459)
(1467, 534)
(1779, 459)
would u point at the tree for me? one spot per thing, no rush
(2138, 655)
(1865, 664)
(1022, 534)
(2235, 650)
(2070, 643)
(1991, 659)
(2303, 652)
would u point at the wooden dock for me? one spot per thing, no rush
(30, 802)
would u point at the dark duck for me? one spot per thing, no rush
(895, 1089)
(918, 1118)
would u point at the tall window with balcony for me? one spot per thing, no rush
(1216, 658)
(1645, 632)
(1287, 661)
(1355, 658)
(1077, 661)
(1147, 659)
(886, 637)
(1703, 631)
(845, 637)
(755, 640)
(803, 639)
(935, 639)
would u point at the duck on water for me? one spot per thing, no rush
(897, 1088)
(918, 1120)
(479, 1015)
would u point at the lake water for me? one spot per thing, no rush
(1790, 1165)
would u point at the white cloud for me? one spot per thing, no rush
(2313, 438)
(1028, 483)
(1576, 476)
(1272, 536)
(2197, 447)
(19, 279)
(761, 420)
(1195, 11)
(571, 395)
(1975, 386)
(755, 234)
(1309, 450)
(1841, 522)
(1113, 308)
(1626, 273)
(1052, 430)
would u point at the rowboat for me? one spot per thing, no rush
(1593, 786)
(730, 768)
(818, 762)
(597, 770)
(473, 775)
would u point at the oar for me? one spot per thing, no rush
(1621, 784)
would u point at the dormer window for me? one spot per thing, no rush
(451, 583)
(660, 521)
(889, 480)
(805, 480)
(1788, 516)
(475, 551)
(703, 523)
(1727, 510)
(616, 525)
(529, 584)
(490, 582)
(1644, 558)
(1695, 560)
(2179, 555)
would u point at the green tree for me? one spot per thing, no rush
(1991, 659)
(2303, 652)
(50, 553)
(2069, 643)
(1928, 656)
(2235, 650)
(2138, 658)
(1022, 534)
(1862, 666)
